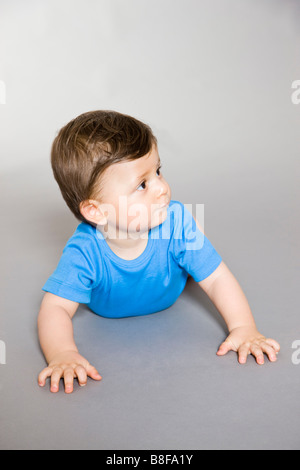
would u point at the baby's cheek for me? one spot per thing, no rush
(159, 217)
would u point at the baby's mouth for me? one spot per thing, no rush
(165, 204)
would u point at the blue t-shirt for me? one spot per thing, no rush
(90, 272)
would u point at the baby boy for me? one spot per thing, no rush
(133, 249)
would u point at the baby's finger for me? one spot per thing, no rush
(274, 344)
(225, 347)
(44, 374)
(81, 375)
(257, 352)
(243, 352)
(269, 351)
(55, 378)
(93, 373)
(69, 379)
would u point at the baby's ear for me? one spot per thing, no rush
(91, 211)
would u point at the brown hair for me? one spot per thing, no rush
(88, 145)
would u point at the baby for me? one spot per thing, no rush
(134, 248)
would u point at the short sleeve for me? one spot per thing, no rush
(77, 272)
(192, 249)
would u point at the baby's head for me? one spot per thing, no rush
(99, 156)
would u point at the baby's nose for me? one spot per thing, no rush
(162, 188)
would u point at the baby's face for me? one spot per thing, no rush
(135, 196)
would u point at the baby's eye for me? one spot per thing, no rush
(142, 186)
(158, 171)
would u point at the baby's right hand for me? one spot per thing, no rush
(68, 365)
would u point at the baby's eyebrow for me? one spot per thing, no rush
(139, 178)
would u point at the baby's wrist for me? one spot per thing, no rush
(244, 326)
(60, 354)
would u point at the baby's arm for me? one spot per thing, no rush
(226, 294)
(57, 342)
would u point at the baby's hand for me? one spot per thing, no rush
(247, 340)
(68, 365)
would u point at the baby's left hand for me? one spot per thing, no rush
(247, 340)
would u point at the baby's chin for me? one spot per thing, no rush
(141, 230)
(159, 217)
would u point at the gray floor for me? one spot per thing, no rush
(163, 386)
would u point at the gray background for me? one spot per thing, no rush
(213, 78)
